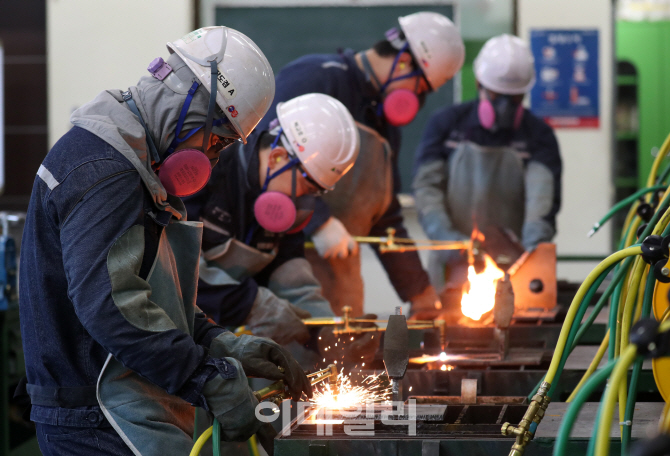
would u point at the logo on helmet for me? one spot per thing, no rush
(233, 112)
(299, 146)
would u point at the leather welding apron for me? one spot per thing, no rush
(149, 420)
(235, 261)
(485, 187)
(359, 200)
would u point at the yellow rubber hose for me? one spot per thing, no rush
(197, 447)
(620, 370)
(576, 301)
(593, 366)
(662, 152)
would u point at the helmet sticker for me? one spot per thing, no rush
(299, 134)
(233, 112)
(194, 35)
(225, 86)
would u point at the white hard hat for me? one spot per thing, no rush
(435, 44)
(322, 134)
(246, 83)
(505, 65)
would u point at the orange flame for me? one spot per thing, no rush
(481, 294)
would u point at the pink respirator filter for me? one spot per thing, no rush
(401, 107)
(275, 212)
(185, 172)
(486, 113)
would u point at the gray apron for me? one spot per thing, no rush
(232, 262)
(359, 200)
(485, 187)
(151, 421)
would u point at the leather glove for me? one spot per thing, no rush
(360, 350)
(262, 358)
(333, 239)
(277, 319)
(425, 306)
(232, 402)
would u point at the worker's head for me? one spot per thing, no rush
(505, 73)
(414, 59)
(223, 85)
(311, 145)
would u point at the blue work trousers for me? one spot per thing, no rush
(79, 441)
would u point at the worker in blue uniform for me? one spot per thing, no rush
(383, 88)
(488, 163)
(253, 271)
(117, 354)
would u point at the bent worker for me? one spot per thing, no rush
(253, 270)
(382, 87)
(488, 162)
(117, 354)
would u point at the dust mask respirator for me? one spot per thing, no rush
(500, 114)
(279, 213)
(400, 106)
(185, 171)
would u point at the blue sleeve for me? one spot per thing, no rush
(228, 305)
(290, 246)
(320, 216)
(205, 329)
(105, 213)
(437, 130)
(404, 269)
(544, 149)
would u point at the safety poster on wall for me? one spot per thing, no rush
(566, 66)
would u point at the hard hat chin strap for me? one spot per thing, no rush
(182, 118)
(399, 78)
(212, 104)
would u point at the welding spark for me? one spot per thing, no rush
(344, 395)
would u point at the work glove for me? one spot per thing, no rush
(262, 358)
(426, 305)
(343, 349)
(277, 319)
(333, 240)
(229, 398)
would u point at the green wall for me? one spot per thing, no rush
(468, 84)
(645, 45)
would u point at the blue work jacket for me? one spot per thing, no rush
(85, 196)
